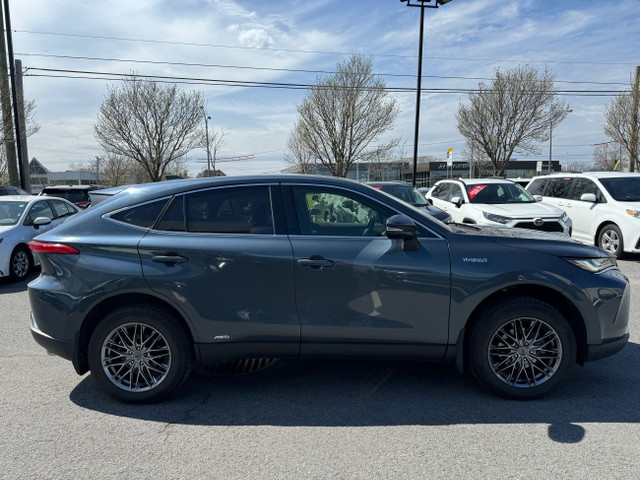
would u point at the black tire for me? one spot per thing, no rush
(512, 363)
(148, 368)
(610, 239)
(20, 263)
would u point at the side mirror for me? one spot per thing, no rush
(41, 221)
(457, 201)
(402, 227)
(537, 198)
(588, 197)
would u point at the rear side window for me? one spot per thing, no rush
(142, 215)
(558, 187)
(62, 209)
(536, 187)
(245, 210)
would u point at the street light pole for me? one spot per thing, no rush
(420, 4)
(206, 126)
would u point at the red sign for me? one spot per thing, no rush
(476, 190)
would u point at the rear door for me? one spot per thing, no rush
(223, 256)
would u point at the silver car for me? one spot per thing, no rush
(22, 217)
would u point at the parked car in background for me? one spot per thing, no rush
(10, 190)
(497, 202)
(604, 206)
(22, 217)
(97, 196)
(77, 194)
(142, 287)
(411, 195)
(424, 190)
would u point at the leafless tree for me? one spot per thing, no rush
(513, 114)
(32, 127)
(150, 123)
(609, 157)
(476, 156)
(382, 160)
(297, 155)
(621, 124)
(113, 170)
(343, 113)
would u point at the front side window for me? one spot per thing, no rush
(230, 210)
(584, 185)
(455, 191)
(39, 209)
(441, 190)
(326, 211)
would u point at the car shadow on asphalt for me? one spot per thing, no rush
(393, 393)
(7, 285)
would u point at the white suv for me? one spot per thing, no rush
(497, 202)
(604, 206)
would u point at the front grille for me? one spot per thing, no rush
(545, 227)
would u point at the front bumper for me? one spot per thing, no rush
(606, 348)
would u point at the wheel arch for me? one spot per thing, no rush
(542, 293)
(102, 309)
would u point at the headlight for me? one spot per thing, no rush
(634, 213)
(564, 217)
(594, 265)
(496, 218)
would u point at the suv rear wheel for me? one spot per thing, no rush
(140, 354)
(521, 348)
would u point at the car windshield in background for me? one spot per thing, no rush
(405, 193)
(10, 212)
(623, 189)
(498, 193)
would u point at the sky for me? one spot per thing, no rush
(591, 47)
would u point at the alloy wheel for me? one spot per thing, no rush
(610, 241)
(525, 352)
(136, 357)
(20, 264)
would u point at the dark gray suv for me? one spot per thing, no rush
(161, 278)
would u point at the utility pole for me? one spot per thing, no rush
(550, 145)
(7, 117)
(206, 127)
(23, 130)
(633, 128)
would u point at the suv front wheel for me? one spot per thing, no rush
(521, 348)
(610, 240)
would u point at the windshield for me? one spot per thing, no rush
(623, 189)
(498, 193)
(406, 193)
(10, 212)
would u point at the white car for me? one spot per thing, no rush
(604, 206)
(22, 217)
(497, 202)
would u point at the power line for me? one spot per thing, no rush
(292, 70)
(322, 52)
(97, 75)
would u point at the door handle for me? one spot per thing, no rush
(317, 262)
(169, 258)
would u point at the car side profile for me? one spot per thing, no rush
(497, 202)
(76, 194)
(165, 277)
(22, 217)
(604, 206)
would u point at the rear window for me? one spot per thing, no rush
(72, 196)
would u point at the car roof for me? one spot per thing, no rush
(70, 187)
(478, 181)
(590, 175)
(20, 198)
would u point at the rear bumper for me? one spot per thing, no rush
(52, 345)
(606, 348)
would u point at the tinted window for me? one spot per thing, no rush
(230, 210)
(141, 215)
(325, 211)
(623, 189)
(173, 218)
(536, 187)
(455, 191)
(71, 195)
(440, 191)
(558, 187)
(62, 209)
(405, 193)
(39, 209)
(584, 185)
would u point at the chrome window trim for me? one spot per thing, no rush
(340, 187)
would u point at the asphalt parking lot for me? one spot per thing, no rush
(315, 419)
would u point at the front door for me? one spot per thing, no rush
(358, 293)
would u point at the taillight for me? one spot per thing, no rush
(52, 248)
(83, 204)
